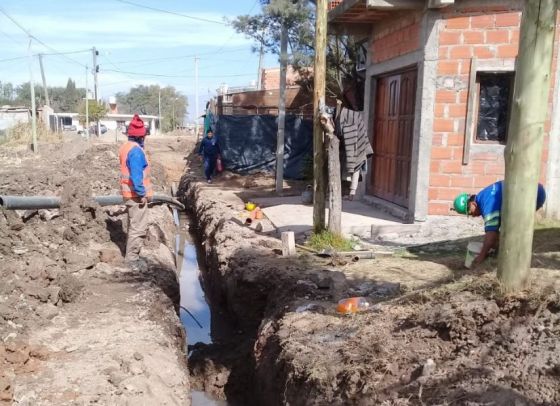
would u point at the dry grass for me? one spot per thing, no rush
(20, 134)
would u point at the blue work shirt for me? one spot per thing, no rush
(136, 162)
(489, 202)
(209, 147)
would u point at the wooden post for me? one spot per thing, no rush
(288, 244)
(319, 73)
(281, 110)
(335, 183)
(525, 141)
(33, 107)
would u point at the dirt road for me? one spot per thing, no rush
(76, 325)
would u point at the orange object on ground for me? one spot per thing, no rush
(352, 305)
(258, 213)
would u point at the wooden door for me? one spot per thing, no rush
(392, 136)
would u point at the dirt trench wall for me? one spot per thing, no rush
(257, 288)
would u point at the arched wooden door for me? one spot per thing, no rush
(392, 136)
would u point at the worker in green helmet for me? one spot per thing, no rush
(488, 204)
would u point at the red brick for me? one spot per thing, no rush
(435, 166)
(494, 169)
(457, 110)
(432, 193)
(507, 51)
(439, 110)
(437, 140)
(443, 52)
(482, 21)
(463, 96)
(441, 153)
(448, 68)
(443, 125)
(455, 140)
(484, 52)
(497, 37)
(465, 68)
(448, 193)
(451, 167)
(483, 181)
(461, 181)
(446, 96)
(508, 19)
(486, 156)
(438, 180)
(473, 37)
(460, 52)
(458, 23)
(449, 38)
(514, 36)
(438, 208)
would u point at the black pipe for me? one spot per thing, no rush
(53, 202)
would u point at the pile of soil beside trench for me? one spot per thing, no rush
(77, 325)
(462, 343)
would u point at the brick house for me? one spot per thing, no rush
(439, 81)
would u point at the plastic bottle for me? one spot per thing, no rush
(352, 305)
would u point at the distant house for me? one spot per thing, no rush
(264, 99)
(439, 81)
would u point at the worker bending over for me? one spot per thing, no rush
(488, 204)
(136, 187)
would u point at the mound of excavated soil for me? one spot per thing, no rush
(459, 343)
(75, 325)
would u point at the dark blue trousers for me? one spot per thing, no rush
(209, 166)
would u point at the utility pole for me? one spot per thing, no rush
(86, 130)
(95, 84)
(47, 102)
(33, 107)
(196, 96)
(281, 110)
(159, 110)
(319, 73)
(525, 142)
(259, 73)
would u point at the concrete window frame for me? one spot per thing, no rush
(481, 66)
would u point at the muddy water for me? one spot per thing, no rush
(195, 312)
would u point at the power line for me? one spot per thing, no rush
(26, 31)
(171, 12)
(13, 59)
(174, 76)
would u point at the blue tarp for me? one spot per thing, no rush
(249, 143)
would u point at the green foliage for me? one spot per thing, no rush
(63, 99)
(327, 240)
(265, 28)
(144, 100)
(96, 111)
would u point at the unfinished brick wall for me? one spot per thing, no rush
(465, 34)
(395, 37)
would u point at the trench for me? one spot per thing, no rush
(203, 322)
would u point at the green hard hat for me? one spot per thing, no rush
(460, 204)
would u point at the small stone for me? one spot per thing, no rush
(428, 368)
(138, 356)
(136, 369)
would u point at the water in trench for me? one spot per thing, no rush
(195, 312)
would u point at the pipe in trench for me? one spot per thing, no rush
(53, 202)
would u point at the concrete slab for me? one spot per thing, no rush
(289, 214)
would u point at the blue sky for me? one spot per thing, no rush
(136, 45)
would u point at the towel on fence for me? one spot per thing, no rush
(350, 128)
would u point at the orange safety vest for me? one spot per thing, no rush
(127, 190)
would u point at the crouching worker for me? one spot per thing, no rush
(488, 204)
(136, 188)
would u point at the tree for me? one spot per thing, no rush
(63, 99)
(145, 99)
(525, 141)
(342, 51)
(96, 111)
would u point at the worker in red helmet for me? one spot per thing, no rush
(136, 188)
